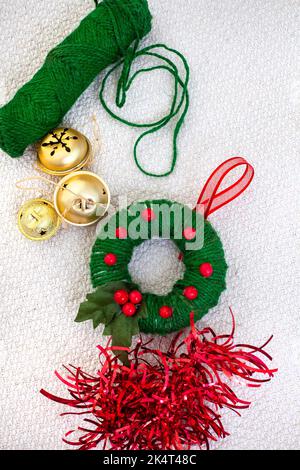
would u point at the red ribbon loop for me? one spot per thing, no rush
(210, 199)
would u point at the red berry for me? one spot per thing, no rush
(121, 233)
(135, 297)
(189, 233)
(206, 269)
(148, 214)
(190, 292)
(165, 311)
(121, 297)
(110, 259)
(129, 309)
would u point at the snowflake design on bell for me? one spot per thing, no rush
(59, 139)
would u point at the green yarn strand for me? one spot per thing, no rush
(178, 108)
(100, 40)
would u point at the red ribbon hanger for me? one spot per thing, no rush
(210, 199)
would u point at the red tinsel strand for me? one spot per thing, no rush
(163, 400)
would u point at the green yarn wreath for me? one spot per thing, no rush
(209, 288)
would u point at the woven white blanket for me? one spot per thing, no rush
(245, 100)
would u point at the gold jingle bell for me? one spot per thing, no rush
(81, 198)
(38, 220)
(63, 151)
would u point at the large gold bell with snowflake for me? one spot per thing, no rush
(63, 151)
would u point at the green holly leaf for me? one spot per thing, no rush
(104, 295)
(122, 329)
(111, 287)
(98, 314)
(100, 307)
(105, 315)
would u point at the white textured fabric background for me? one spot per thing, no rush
(245, 100)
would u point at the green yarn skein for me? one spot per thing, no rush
(102, 38)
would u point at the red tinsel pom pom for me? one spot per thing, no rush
(163, 400)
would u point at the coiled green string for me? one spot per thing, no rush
(180, 101)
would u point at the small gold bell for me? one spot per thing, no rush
(38, 220)
(63, 151)
(81, 198)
